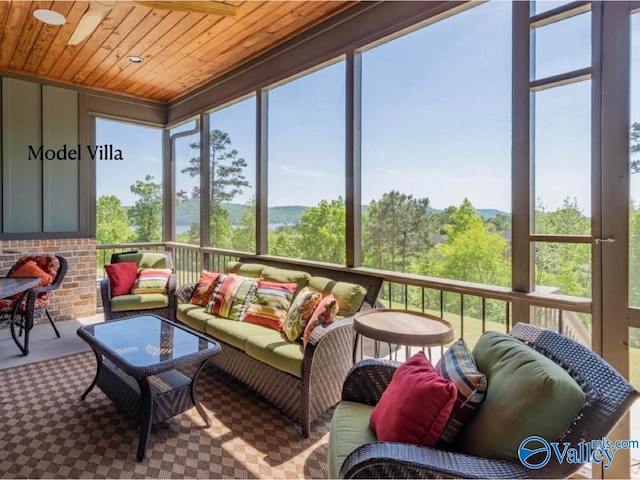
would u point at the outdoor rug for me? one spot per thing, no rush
(47, 431)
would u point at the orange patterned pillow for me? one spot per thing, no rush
(30, 269)
(325, 312)
(204, 288)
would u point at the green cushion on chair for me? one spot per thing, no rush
(349, 295)
(145, 260)
(251, 270)
(276, 351)
(122, 303)
(527, 394)
(349, 430)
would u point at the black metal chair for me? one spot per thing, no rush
(166, 311)
(608, 397)
(21, 311)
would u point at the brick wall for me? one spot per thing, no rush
(76, 298)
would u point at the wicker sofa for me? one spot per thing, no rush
(302, 383)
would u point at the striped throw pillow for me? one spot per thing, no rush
(457, 364)
(271, 304)
(152, 280)
(231, 296)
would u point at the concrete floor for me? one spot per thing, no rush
(43, 343)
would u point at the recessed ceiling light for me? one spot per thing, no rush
(135, 59)
(49, 16)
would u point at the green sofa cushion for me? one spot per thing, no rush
(194, 316)
(146, 259)
(233, 332)
(349, 295)
(251, 270)
(349, 430)
(527, 394)
(276, 351)
(122, 303)
(282, 275)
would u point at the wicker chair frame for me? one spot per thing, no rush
(608, 397)
(23, 318)
(167, 312)
(327, 357)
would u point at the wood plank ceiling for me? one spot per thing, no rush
(181, 51)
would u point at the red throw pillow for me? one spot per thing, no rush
(31, 269)
(122, 277)
(416, 405)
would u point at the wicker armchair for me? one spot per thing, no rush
(608, 397)
(166, 310)
(21, 314)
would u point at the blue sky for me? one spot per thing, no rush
(436, 121)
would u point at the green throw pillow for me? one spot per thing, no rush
(251, 270)
(348, 295)
(527, 394)
(146, 259)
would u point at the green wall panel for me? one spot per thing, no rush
(21, 177)
(60, 185)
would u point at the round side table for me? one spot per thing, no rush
(401, 327)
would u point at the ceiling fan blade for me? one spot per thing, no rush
(88, 23)
(210, 8)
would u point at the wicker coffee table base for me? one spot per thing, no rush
(150, 399)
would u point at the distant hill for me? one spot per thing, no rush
(187, 213)
(488, 213)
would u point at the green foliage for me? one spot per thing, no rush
(469, 252)
(321, 232)
(112, 224)
(225, 168)
(188, 212)
(220, 227)
(395, 230)
(634, 257)
(320, 235)
(244, 235)
(146, 214)
(284, 242)
(226, 181)
(634, 138)
(191, 236)
(563, 265)
(500, 222)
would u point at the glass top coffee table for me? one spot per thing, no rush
(140, 364)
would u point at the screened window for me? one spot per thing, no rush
(306, 166)
(436, 149)
(129, 203)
